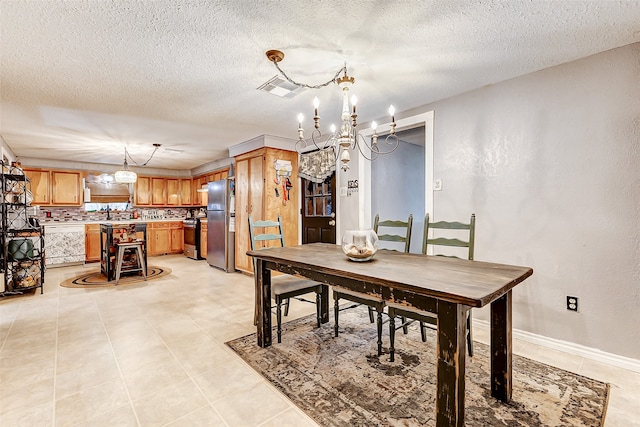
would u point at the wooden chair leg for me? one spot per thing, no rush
(379, 333)
(286, 307)
(423, 332)
(336, 310)
(318, 305)
(279, 320)
(371, 315)
(392, 333)
(405, 325)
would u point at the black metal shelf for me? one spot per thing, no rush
(22, 254)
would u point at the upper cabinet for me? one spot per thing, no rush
(142, 191)
(56, 188)
(158, 191)
(173, 192)
(66, 188)
(185, 192)
(40, 185)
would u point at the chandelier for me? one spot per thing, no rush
(346, 138)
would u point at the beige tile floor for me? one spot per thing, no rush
(153, 354)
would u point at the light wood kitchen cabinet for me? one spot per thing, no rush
(177, 237)
(158, 191)
(55, 187)
(173, 192)
(165, 237)
(143, 191)
(92, 242)
(66, 188)
(203, 238)
(185, 192)
(256, 196)
(40, 186)
(159, 238)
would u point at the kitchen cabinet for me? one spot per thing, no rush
(92, 242)
(173, 192)
(39, 186)
(185, 192)
(165, 237)
(177, 237)
(203, 238)
(158, 191)
(199, 181)
(256, 196)
(66, 188)
(143, 191)
(55, 187)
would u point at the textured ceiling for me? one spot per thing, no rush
(82, 79)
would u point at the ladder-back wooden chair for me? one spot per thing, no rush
(392, 231)
(465, 238)
(283, 287)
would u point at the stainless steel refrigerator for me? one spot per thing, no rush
(221, 225)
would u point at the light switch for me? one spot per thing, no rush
(437, 184)
(343, 191)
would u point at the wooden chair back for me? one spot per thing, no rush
(263, 225)
(450, 241)
(401, 230)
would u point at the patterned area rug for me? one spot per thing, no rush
(342, 381)
(96, 279)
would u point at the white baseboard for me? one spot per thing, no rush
(571, 348)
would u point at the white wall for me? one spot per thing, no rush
(550, 164)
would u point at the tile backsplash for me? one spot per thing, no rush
(53, 214)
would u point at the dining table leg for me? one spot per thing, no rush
(451, 364)
(263, 303)
(501, 348)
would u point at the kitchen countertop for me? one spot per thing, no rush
(120, 221)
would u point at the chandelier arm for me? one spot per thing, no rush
(344, 68)
(360, 140)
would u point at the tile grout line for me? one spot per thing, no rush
(115, 358)
(55, 360)
(4, 341)
(187, 372)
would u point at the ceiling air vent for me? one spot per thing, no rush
(280, 87)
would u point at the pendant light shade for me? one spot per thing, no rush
(125, 176)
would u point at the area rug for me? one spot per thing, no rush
(342, 381)
(95, 279)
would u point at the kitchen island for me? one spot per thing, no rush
(112, 234)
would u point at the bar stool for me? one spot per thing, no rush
(121, 249)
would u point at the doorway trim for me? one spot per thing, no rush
(364, 166)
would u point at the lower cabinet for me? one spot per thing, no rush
(203, 239)
(177, 237)
(92, 242)
(165, 237)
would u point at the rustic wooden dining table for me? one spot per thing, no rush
(446, 287)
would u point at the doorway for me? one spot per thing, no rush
(318, 211)
(398, 185)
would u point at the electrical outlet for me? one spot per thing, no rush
(572, 303)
